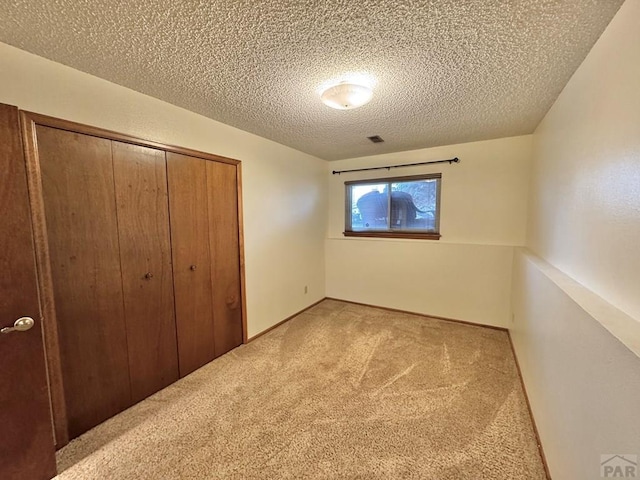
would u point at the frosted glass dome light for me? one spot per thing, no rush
(346, 96)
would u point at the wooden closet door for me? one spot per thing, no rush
(80, 211)
(145, 258)
(225, 255)
(26, 441)
(187, 178)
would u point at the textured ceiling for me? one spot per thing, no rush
(445, 71)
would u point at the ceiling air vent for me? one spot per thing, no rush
(376, 139)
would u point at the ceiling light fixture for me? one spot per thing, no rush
(346, 96)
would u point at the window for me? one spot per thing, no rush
(414, 203)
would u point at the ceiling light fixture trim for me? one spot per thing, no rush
(346, 96)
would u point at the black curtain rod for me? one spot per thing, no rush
(389, 167)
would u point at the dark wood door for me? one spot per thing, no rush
(80, 212)
(187, 178)
(225, 255)
(26, 442)
(145, 259)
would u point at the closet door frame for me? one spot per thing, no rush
(29, 122)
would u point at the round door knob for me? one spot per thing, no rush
(20, 325)
(148, 275)
(192, 267)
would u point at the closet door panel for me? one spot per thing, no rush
(80, 211)
(190, 248)
(225, 255)
(145, 258)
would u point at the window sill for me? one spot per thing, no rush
(413, 235)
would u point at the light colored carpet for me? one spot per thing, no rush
(341, 391)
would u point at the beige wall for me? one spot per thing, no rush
(585, 207)
(465, 275)
(582, 382)
(577, 351)
(284, 190)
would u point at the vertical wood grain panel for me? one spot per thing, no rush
(243, 281)
(80, 210)
(187, 178)
(147, 277)
(225, 255)
(26, 441)
(45, 282)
